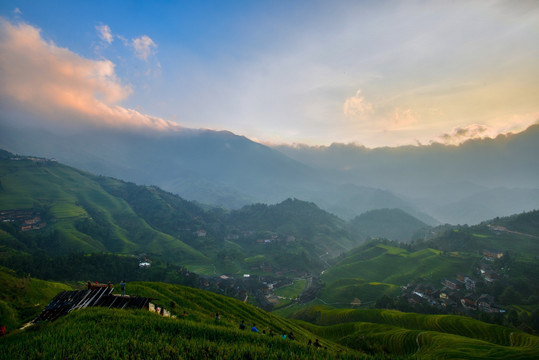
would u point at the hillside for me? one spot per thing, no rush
(344, 334)
(392, 224)
(143, 334)
(303, 220)
(50, 207)
(69, 211)
(518, 234)
(422, 336)
(23, 298)
(212, 167)
(376, 269)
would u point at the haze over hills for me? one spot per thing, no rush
(466, 184)
(217, 168)
(434, 183)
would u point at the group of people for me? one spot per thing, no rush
(97, 285)
(284, 335)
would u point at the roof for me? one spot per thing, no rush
(67, 301)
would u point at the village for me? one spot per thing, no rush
(460, 294)
(25, 219)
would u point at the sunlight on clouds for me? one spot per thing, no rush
(60, 86)
(356, 106)
(404, 118)
(144, 47)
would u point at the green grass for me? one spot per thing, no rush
(119, 334)
(73, 196)
(370, 272)
(293, 290)
(344, 291)
(426, 336)
(111, 333)
(347, 334)
(22, 299)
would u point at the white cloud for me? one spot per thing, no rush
(57, 86)
(144, 47)
(17, 11)
(104, 33)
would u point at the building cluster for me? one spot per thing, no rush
(459, 294)
(25, 219)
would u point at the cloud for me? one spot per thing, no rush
(53, 84)
(104, 33)
(356, 106)
(404, 118)
(17, 11)
(461, 134)
(144, 47)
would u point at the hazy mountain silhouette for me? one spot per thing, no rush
(457, 184)
(221, 168)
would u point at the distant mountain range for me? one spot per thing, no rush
(435, 183)
(464, 184)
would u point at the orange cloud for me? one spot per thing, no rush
(357, 106)
(39, 77)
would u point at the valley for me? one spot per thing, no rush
(66, 225)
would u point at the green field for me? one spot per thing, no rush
(346, 333)
(423, 336)
(375, 269)
(293, 290)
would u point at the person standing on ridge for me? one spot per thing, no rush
(122, 286)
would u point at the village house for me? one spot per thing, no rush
(468, 302)
(469, 283)
(486, 303)
(497, 228)
(453, 284)
(491, 255)
(201, 233)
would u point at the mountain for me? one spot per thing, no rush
(47, 206)
(446, 182)
(392, 224)
(488, 204)
(300, 220)
(212, 167)
(518, 234)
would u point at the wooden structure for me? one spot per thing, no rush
(67, 301)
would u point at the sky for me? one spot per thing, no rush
(374, 73)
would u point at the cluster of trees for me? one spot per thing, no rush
(99, 267)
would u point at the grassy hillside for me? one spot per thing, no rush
(106, 333)
(375, 269)
(519, 235)
(21, 299)
(83, 213)
(119, 334)
(423, 336)
(346, 334)
(80, 215)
